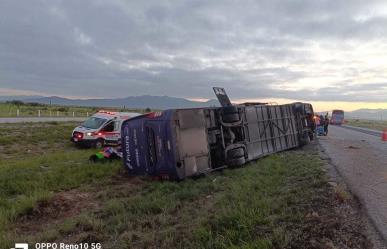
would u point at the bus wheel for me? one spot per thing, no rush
(99, 144)
(236, 162)
(311, 136)
(236, 157)
(236, 153)
(230, 114)
(305, 139)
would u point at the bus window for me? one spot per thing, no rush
(151, 145)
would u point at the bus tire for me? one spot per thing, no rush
(231, 118)
(230, 114)
(236, 162)
(230, 109)
(99, 144)
(236, 153)
(304, 140)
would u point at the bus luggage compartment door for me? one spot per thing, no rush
(192, 141)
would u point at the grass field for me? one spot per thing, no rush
(38, 160)
(370, 124)
(26, 140)
(31, 110)
(281, 201)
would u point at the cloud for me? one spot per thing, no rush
(309, 50)
(81, 37)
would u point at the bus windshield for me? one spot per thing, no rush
(338, 112)
(337, 117)
(94, 122)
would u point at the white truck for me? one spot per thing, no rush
(103, 128)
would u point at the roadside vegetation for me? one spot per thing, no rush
(9, 109)
(379, 125)
(28, 140)
(281, 201)
(38, 160)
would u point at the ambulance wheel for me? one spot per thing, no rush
(99, 144)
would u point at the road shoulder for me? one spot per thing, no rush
(338, 182)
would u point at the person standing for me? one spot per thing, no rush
(326, 124)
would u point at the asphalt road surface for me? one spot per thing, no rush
(41, 119)
(360, 157)
(364, 130)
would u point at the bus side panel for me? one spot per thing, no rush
(266, 129)
(255, 145)
(276, 132)
(269, 129)
(280, 113)
(132, 134)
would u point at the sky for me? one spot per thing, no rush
(332, 53)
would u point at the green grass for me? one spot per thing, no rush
(23, 140)
(370, 124)
(31, 110)
(24, 182)
(262, 205)
(38, 160)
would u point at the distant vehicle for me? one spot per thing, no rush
(179, 143)
(337, 117)
(103, 128)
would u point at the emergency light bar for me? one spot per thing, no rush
(107, 112)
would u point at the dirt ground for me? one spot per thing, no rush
(69, 204)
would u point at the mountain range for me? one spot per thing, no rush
(162, 103)
(372, 114)
(140, 102)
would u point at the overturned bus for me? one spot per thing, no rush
(179, 143)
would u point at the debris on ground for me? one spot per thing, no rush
(107, 154)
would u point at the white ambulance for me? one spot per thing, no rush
(103, 128)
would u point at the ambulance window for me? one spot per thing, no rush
(109, 127)
(94, 122)
(117, 125)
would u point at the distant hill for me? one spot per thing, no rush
(141, 102)
(20, 97)
(375, 114)
(163, 102)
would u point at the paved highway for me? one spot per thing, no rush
(41, 119)
(364, 130)
(360, 157)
